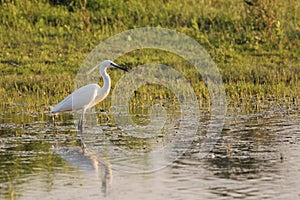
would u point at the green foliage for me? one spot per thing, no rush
(255, 44)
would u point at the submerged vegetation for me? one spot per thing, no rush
(255, 44)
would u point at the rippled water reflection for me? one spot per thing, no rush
(256, 157)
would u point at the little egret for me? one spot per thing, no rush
(87, 96)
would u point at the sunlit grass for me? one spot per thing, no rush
(256, 47)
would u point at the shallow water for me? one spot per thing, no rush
(256, 157)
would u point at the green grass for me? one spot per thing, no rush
(255, 45)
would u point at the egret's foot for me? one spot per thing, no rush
(83, 147)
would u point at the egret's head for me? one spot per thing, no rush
(109, 63)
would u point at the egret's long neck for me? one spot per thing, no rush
(106, 80)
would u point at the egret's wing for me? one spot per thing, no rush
(81, 98)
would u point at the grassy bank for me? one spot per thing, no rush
(255, 44)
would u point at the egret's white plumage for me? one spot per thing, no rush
(79, 99)
(88, 95)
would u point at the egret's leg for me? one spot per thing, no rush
(53, 119)
(80, 124)
(80, 129)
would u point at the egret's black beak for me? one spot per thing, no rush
(117, 66)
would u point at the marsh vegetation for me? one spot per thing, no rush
(255, 45)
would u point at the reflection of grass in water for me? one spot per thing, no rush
(255, 46)
(147, 136)
(24, 159)
(142, 143)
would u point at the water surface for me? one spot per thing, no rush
(256, 157)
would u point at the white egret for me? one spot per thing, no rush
(87, 96)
